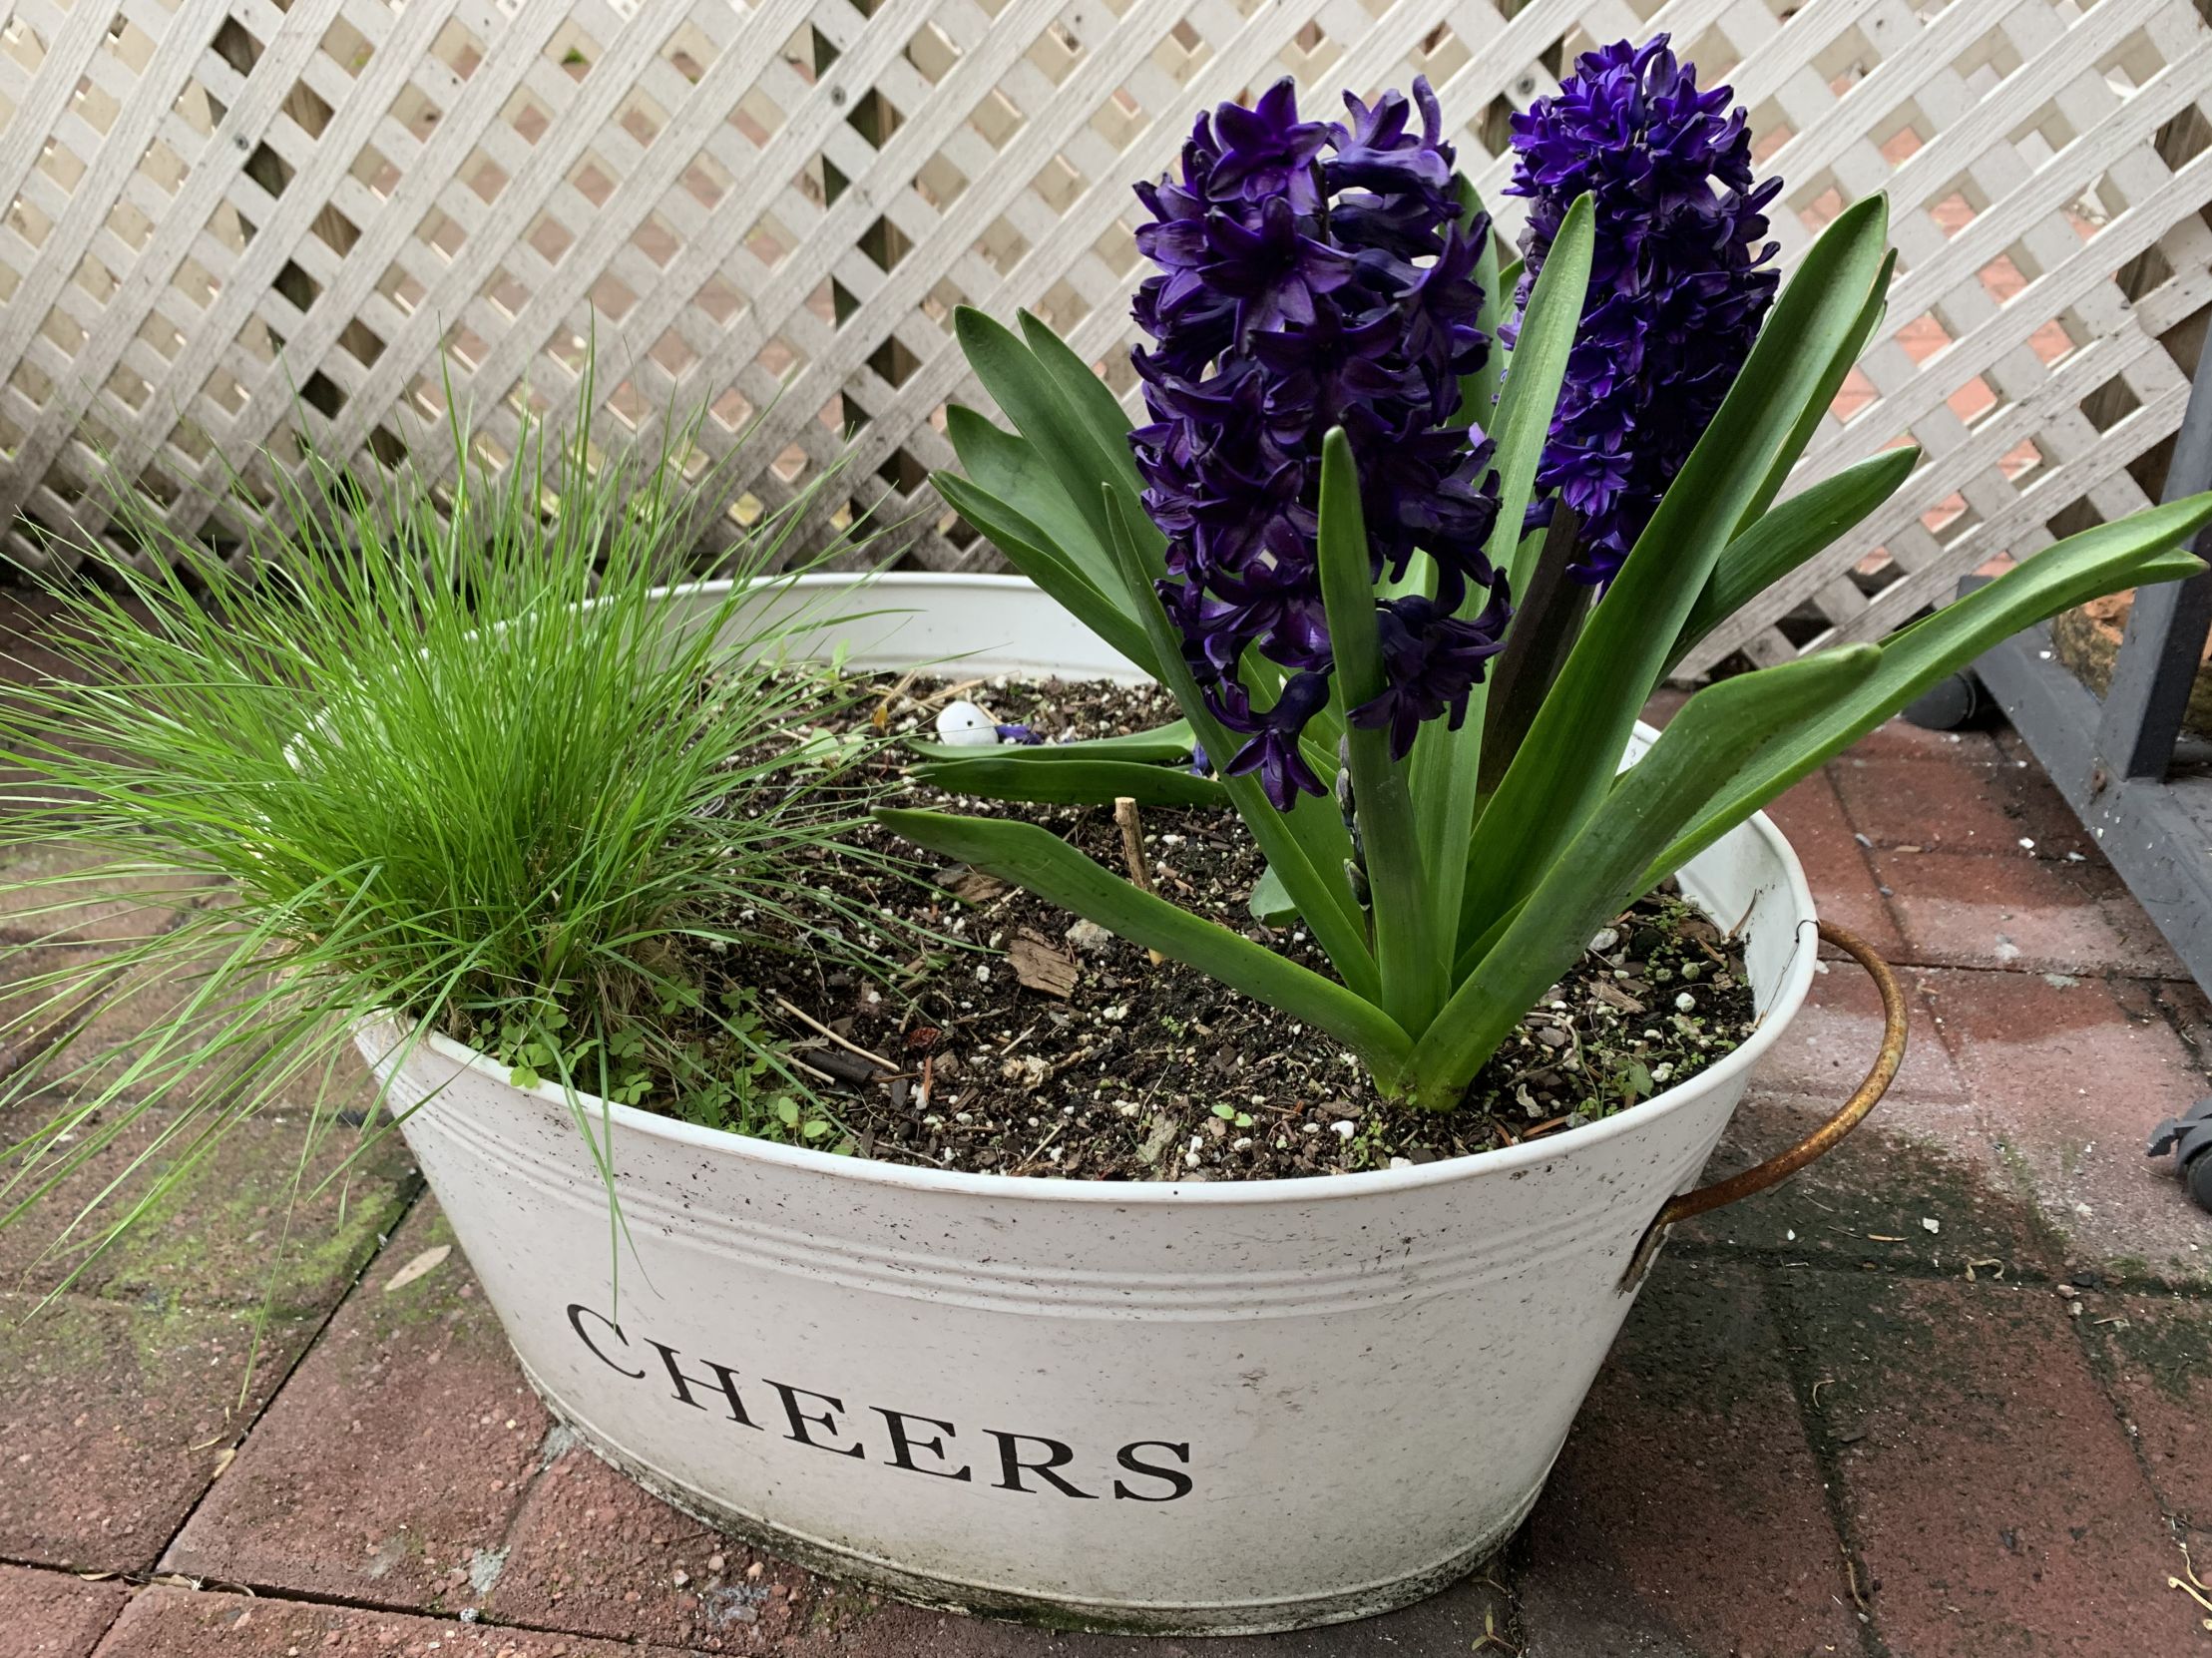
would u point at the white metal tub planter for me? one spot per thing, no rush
(1205, 1404)
(1170, 1405)
(1409, 594)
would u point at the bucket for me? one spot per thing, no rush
(1192, 1407)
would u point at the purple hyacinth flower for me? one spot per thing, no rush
(1377, 153)
(1274, 272)
(1175, 239)
(1334, 287)
(1432, 661)
(1679, 284)
(1273, 751)
(1267, 151)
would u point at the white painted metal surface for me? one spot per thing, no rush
(1187, 1408)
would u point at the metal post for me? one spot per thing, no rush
(2168, 623)
(2112, 760)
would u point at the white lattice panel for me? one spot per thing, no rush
(228, 220)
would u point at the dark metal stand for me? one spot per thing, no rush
(2146, 798)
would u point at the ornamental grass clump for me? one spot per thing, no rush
(1412, 556)
(439, 758)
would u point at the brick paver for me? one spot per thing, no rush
(282, 1214)
(2000, 810)
(52, 1614)
(1901, 739)
(84, 911)
(1836, 866)
(593, 1554)
(2068, 1073)
(1688, 1507)
(1996, 1501)
(118, 1419)
(1860, 1415)
(1833, 1041)
(1888, 1198)
(2155, 1353)
(175, 1623)
(2036, 915)
(1473, 1616)
(393, 1462)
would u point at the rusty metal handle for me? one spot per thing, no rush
(1821, 1140)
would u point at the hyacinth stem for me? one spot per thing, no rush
(1407, 948)
(1355, 866)
(1551, 612)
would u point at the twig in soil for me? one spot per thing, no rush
(807, 1018)
(848, 1069)
(1851, 1577)
(1073, 1060)
(944, 694)
(1037, 1150)
(890, 700)
(1132, 853)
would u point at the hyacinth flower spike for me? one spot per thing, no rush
(1368, 490)
(1683, 278)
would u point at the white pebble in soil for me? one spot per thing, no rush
(1089, 937)
(964, 725)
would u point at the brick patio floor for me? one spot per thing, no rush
(1949, 1394)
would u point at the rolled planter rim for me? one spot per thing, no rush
(1773, 1020)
